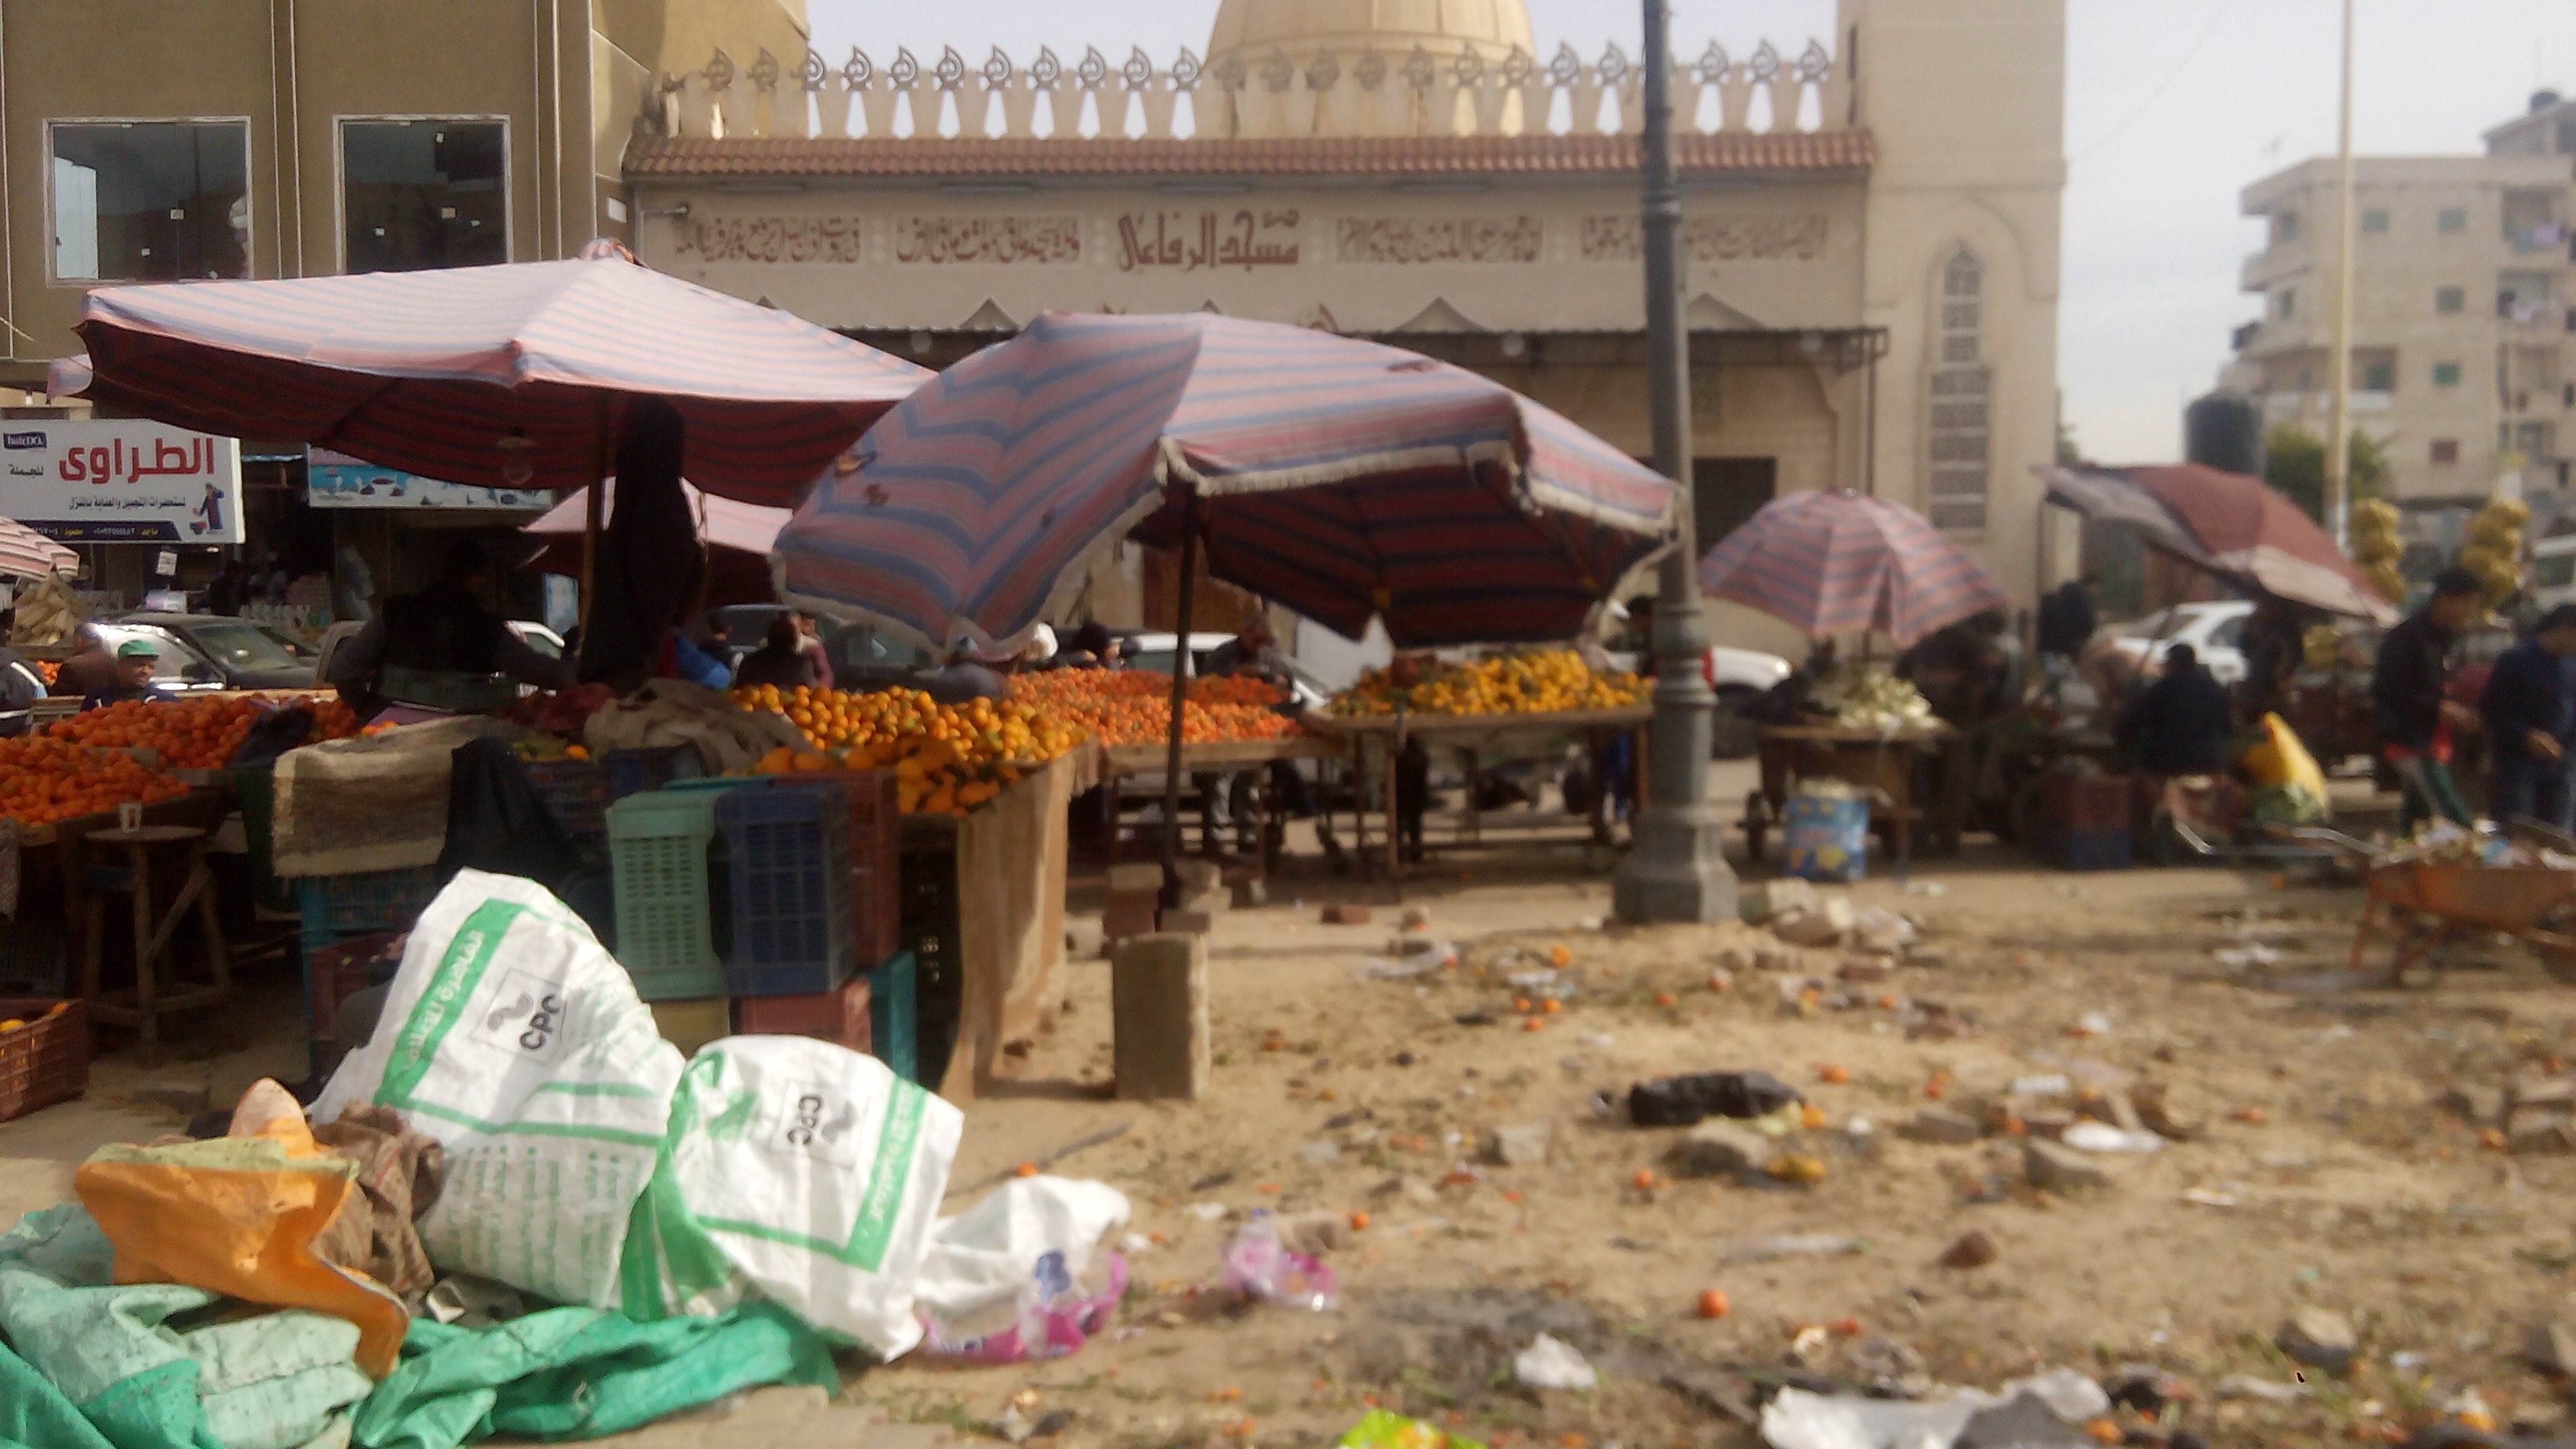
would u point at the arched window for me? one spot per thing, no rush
(1959, 432)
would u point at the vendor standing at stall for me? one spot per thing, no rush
(1253, 653)
(443, 629)
(2529, 711)
(90, 669)
(2275, 642)
(2067, 620)
(2415, 720)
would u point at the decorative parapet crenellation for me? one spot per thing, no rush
(1367, 93)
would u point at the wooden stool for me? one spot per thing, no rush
(143, 1007)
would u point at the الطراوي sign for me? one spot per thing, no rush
(120, 481)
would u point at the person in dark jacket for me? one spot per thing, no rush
(2179, 724)
(780, 660)
(2529, 710)
(2067, 619)
(442, 630)
(2416, 722)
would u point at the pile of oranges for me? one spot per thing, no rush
(43, 779)
(947, 759)
(1540, 682)
(1134, 706)
(192, 734)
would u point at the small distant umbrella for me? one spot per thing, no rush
(27, 554)
(1836, 562)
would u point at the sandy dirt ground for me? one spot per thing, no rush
(2328, 1174)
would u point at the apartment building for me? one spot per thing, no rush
(2464, 308)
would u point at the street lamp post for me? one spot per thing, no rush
(1676, 869)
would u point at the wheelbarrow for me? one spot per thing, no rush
(2416, 904)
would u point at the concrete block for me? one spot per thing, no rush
(1131, 879)
(1249, 894)
(1215, 903)
(1160, 1043)
(1199, 877)
(1122, 921)
(1195, 923)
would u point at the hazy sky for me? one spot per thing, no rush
(2171, 107)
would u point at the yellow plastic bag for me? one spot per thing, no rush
(2277, 758)
(238, 1215)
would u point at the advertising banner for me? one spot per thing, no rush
(336, 480)
(120, 481)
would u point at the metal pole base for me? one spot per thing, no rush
(1676, 869)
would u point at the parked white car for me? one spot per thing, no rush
(2215, 630)
(1154, 652)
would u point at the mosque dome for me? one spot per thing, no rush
(1300, 28)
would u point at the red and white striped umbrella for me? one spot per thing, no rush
(27, 554)
(1835, 562)
(506, 376)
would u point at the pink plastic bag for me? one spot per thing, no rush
(1056, 1317)
(1258, 1265)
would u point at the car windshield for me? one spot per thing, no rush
(244, 646)
(545, 644)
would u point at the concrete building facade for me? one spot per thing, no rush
(2464, 299)
(1872, 234)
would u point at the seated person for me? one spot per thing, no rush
(2180, 724)
(780, 661)
(135, 661)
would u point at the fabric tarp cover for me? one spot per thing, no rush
(1341, 478)
(1835, 562)
(441, 373)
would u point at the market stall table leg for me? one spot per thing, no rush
(152, 996)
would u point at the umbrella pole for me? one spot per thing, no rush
(594, 516)
(1180, 697)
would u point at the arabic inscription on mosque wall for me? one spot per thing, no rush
(1413, 240)
(1710, 238)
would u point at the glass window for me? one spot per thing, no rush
(2285, 303)
(246, 646)
(2554, 571)
(2379, 376)
(2447, 300)
(1959, 453)
(421, 194)
(2285, 227)
(2452, 220)
(2374, 222)
(2446, 374)
(2446, 450)
(151, 201)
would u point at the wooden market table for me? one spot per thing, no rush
(1470, 735)
(1201, 757)
(1878, 760)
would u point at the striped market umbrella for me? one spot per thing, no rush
(1835, 562)
(736, 536)
(504, 376)
(27, 554)
(1341, 478)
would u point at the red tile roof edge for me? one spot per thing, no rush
(1848, 150)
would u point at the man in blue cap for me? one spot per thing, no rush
(135, 661)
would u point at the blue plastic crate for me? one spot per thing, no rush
(2104, 847)
(788, 850)
(894, 1011)
(35, 959)
(373, 900)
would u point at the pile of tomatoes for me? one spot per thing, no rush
(192, 734)
(44, 779)
(1134, 706)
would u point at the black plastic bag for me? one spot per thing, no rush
(497, 822)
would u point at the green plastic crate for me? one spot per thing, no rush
(657, 860)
